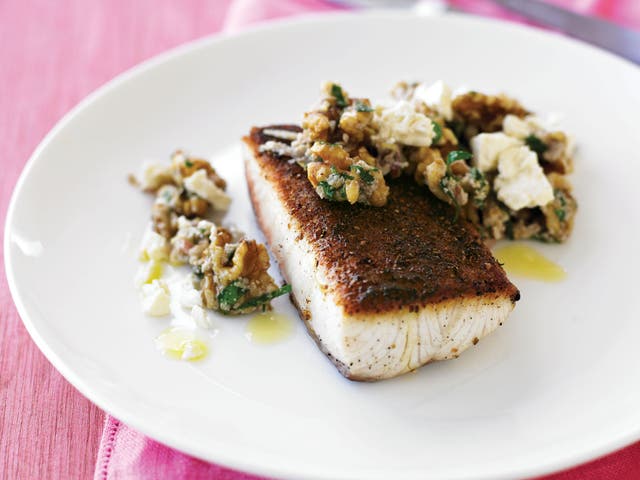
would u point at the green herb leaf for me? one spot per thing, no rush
(363, 107)
(560, 213)
(230, 295)
(535, 144)
(437, 130)
(337, 172)
(336, 92)
(458, 155)
(328, 190)
(263, 299)
(188, 163)
(363, 173)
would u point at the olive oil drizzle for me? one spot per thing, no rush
(269, 327)
(522, 260)
(179, 343)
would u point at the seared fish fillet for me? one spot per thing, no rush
(382, 290)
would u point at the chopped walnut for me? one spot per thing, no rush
(190, 241)
(359, 182)
(478, 112)
(332, 154)
(561, 211)
(348, 147)
(187, 166)
(230, 272)
(558, 155)
(235, 275)
(495, 218)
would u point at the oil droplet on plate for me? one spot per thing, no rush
(269, 327)
(181, 343)
(520, 259)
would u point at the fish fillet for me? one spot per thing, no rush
(382, 290)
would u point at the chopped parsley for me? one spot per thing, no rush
(188, 163)
(363, 107)
(254, 302)
(437, 130)
(340, 174)
(336, 92)
(457, 155)
(363, 173)
(328, 191)
(477, 175)
(535, 144)
(561, 213)
(230, 296)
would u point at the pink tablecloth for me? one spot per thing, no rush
(51, 55)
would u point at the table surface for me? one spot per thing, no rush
(52, 54)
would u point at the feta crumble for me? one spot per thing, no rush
(521, 182)
(400, 123)
(154, 247)
(189, 296)
(487, 147)
(153, 175)
(200, 184)
(437, 96)
(156, 298)
(523, 127)
(200, 317)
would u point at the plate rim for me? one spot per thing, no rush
(556, 464)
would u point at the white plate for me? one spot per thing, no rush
(557, 385)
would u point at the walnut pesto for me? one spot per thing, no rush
(498, 165)
(229, 271)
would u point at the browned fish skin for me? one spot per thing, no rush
(407, 254)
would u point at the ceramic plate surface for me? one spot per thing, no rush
(558, 384)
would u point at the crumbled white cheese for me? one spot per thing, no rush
(437, 96)
(189, 296)
(186, 228)
(200, 184)
(400, 123)
(154, 175)
(523, 127)
(156, 298)
(200, 317)
(154, 247)
(521, 182)
(486, 148)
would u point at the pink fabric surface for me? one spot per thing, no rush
(52, 54)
